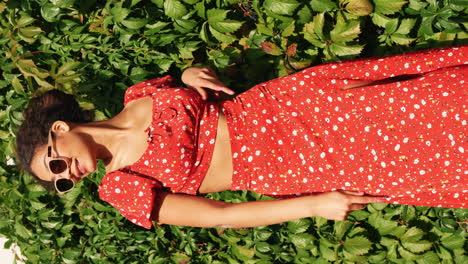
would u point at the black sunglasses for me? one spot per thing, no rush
(57, 166)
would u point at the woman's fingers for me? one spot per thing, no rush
(353, 193)
(214, 84)
(365, 199)
(202, 92)
(355, 207)
(357, 197)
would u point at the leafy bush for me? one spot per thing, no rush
(95, 49)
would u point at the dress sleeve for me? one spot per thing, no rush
(148, 87)
(132, 195)
(378, 68)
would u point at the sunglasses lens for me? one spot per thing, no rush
(58, 166)
(64, 185)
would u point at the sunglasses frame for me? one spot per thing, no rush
(50, 146)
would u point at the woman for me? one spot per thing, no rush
(385, 129)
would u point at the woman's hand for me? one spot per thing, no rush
(337, 205)
(200, 79)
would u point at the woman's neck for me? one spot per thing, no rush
(109, 140)
(122, 140)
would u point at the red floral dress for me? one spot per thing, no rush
(181, 141)
(304, 133)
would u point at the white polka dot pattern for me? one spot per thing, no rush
(402, 139)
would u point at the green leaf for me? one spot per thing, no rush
(242, 252)
(388, 242)
(15, 82)
(158, 26)
(453, 242)
(217, 20)
(358, 7)
(263, 247)
(384, 226)
(36, 188)
(406, 25)
(223, 38)
(299, 226)
(358, 245)
(413, 234)
(174, 9)
(63, 3)
(281, 7)
(71, 253)
(405, 254)
(323, 5)
(345, 50)
(200, 9)
(417, 247)
(67, 66)
(226, 26)
(30, 32)
(216, 15)
(29, 68)
(304, 14)
(345, 32)
(417, 4)
(388, 7)
(262, 29)
(429, 258)
(341, 228)
(37, 205)
(52, 224)
(135, 23)
(401, 39)
(4, 135)
(184, 25)
(302, 240)
(391, 26)
(204, 32)
(443, 253)
(313, 32)
(289, 30)
(426, 26)
(360, 215)
(327, 253)
(119, 14)
(22, 231)
(50, 12)
(380, 20)
(24, 21)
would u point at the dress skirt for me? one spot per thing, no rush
(403, 137)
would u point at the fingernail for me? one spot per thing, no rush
(381, 200)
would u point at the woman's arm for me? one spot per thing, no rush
(186, 210)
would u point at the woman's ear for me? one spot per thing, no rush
(60, 126)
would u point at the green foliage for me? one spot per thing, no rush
(95, 49)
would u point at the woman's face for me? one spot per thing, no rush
(74, 148)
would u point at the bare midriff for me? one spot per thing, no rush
(219, 175)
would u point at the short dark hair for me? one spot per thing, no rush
(39, 116)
